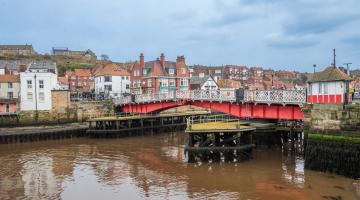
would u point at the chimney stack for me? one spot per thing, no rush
(142, 62)
(162, 59)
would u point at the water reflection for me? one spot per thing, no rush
(154, 167)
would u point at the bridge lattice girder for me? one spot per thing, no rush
(245, 110)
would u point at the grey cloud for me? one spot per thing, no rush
(351, 40)
(290, 42)
(307, 24)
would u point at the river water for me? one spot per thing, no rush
(155, 167)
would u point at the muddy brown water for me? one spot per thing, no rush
(155, 167)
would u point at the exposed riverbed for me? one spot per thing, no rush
(155, 167)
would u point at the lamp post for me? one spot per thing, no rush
(36, 106)
(314, 66)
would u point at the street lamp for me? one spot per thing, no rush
(36, 106)
(314, 66)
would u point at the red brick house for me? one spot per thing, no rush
(80, 80)
(159, 76)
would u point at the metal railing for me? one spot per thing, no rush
(228, 95)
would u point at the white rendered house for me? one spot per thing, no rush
(111, 81)
(36, 84)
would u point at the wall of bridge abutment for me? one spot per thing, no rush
(241, 110)
(332, 133)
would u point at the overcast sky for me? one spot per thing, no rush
(280, 34)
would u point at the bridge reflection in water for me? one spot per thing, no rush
(155, 168)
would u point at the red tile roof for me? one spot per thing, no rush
(111, 70)
(63, 80)
(78, 72)
(9, 78)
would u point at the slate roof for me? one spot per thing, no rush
(43, 64)
(10, 64)
(329, 74)
(198, 80)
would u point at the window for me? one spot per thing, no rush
(29, 84)
(139, 83)
(144, 71)
(171, 71)
(172, 82)
(29, 96)
(127, 78)
(183, 82)
(149, 83)
(136, 72)
(134, 84)
(127, 86)
(163, 82)
(10, 85)
(201, 75)
(183, 70)
(7, 108)
(108, 79)
(217, 71)
(108, 87)
(325, 88)
(41, 84)
(122, 78)
(73, 83)
(41, 97)
(10, 95)
(320, 88)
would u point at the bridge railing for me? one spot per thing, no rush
(256, 96)
(276, 96)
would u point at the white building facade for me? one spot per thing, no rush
(112, 85)
(36, 84)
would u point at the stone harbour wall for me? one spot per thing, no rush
(332, 119)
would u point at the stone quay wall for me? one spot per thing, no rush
(332, 133)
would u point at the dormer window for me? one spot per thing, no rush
(144, 71)
(171, 71)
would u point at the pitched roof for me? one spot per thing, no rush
(78, 72)
(329, 74)
(111, 70)
(9, 78)
(10, 64)
(63, 80)
(195, 80)
(43, 64)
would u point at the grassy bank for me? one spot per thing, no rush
(336, 138)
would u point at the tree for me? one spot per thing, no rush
(104, 57)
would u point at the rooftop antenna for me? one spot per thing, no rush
(334, 58)
(348, 68)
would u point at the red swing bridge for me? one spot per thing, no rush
(248, 104)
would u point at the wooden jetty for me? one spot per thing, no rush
(218, 138)
(122, 126)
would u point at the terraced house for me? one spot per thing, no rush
(160, 76)
(9, 94)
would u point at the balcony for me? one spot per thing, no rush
(9, 100)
